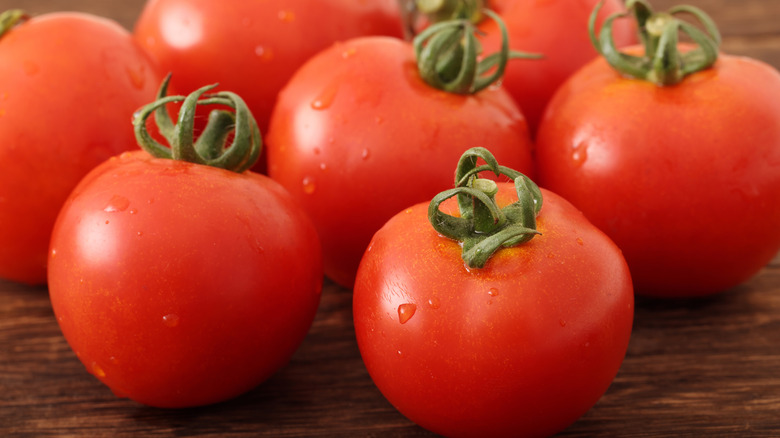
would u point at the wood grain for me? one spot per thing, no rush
(693, 368)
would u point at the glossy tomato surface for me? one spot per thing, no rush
(180, 285)
(252, 47)
(69, 84)
(684, 178)
(521, 347)
(357, 135)
(557, 29)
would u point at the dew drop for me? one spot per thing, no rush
(113, 360)
(326, 97)
(116, 204)
(133, 211)
(406, 311)
(365, 154)
(400, 354)
(562, 323)
(171, 320)
(434, 302)
(107, 222)
(348, 52)
(53, 253)
(579, 153)
(580, 242)
(140, 233)
(97, 371)
(323, 166)
(137, 77)
(309, 185)
(264, 53)
(493, 292)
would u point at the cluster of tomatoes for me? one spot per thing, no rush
(187, 270)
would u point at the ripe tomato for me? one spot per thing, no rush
(557, 29)
(180, 284)
(357, 135)
(68, 85)
(685, 178)
(253, 47)
(521, 347)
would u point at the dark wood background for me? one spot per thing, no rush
(694, 367)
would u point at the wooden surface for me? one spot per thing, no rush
(693, 368)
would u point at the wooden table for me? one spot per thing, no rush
(694, 367)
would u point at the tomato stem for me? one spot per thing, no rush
(210, 148)
(662, 63)
(448, 56)
(443, 10)
(11, 18)
(483, 227)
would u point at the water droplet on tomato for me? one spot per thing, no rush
(286, 16)
(323, 166)
(406, 311)
(493, 292)
(309, 185)
(400, 354)
(579, 153)
(264, 53)
(137, 77)
(116, 204)
(348, 52)
(140, 233)
(97, 371)
(562, 323)
(113, 360)
(434, 302)
(580, 242)
(53, 253)
(365, 154)
(326, 97)
(171, 320)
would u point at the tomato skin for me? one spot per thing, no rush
(685, 178)
(249, 47)
(180, 285)
(69, 84)
(357, 135)
(557, 29)
(521, 347)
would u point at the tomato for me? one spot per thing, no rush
(179, 284)
(357, 135)
(558, 30)
(520, 347)
(685, 178)
(252, 47)
(68, 85)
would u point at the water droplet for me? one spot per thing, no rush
(579, 153)
(406, 311)
(286, 16)
(493, 292)
(97, 371)
(323, 166)
(140, 233)
(326, 97)
(580, 242)
(400, 354)
(434, 302)
(113, 360)
(365, 154)
(264, 53)
(53, 253)
(133, 211)
(116, 204)
(171, 320)
(107, 221)
(562, 323)
(137, 77)
(309, 185)
(81, 281)
(348, 52)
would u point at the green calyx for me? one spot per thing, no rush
(483, 227)
(210, 148)
(662, 62)
(448, 56)
(11, 18)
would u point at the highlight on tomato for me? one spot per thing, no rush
(67, 84)
(178, 277)
(674, 153)
(345, 128)
(557, 29)
(496, 309)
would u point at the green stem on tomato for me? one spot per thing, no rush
(210, 148)
(482, 226)
(442, 10)
(662, 63)
(448, 56)
(11, 18)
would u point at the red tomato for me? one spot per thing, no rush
(69, 84)
(521, 347)
(557, 29)
(357, 135)
(253, 47)
(684, 178)
(179, 284)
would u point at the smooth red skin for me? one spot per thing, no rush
(253, 47)
(685, 178)
(557, 29)
(521, 347)
(69, 84)
(230, 255)
(382, 141)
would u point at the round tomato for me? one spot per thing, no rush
(68, 85)
(520, 347)
(253, 47)
(179, 284)
(558, 30)
(685, 178)
(358, 135)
